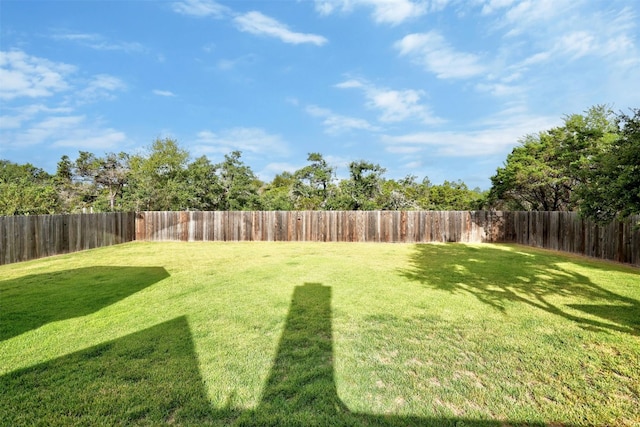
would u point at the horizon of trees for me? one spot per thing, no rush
(590, 164)
(165, 178)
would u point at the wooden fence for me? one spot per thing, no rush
(35, 236)
(27, 237)
(562, 231)
(568, 232)
(321, 226)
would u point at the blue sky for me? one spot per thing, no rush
(437, 88)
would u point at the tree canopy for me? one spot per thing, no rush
(591, 163)
(164, 177)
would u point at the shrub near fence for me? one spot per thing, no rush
(35, 236)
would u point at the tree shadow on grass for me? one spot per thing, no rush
(151, 378)
(32, 301)
(498, 276)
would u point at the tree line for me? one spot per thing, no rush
(164, 178)
(591, 164)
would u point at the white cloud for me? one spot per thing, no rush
(27, 113)
(403, 149)
(527, 13)
(259, 24)
(501, 89)
(230, 64)
(433, 52)
(395, 105)
(65, 131)
(200, 8)
(58, 124)
(493, 5)
(166, 93)
(272, 169)
(28, 76)
(336, 124)
(98, 42)
(92, 139)
(101, 86)
(349, 84)
(384, 11)
(605, 36)
(247, 140)
(413, 165)
(495, 135)
(253, 22)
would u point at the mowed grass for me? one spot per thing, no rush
(319, 334)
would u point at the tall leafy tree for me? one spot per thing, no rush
(240, 186)
(455, 196)
(104, 177)
(278, 194)
(612, 187)
(533, 177)
(69, 195)
(364, 185)
(26, 190)
(313, 182)
(158, 179)
(203, 187)
(546, 169)
(405, 194)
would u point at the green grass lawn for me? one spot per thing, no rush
(319, 334)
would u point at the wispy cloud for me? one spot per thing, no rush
(492, 6)
(201, 8)
(245, 139)
(165, 93)
(437, 56)
(31, 122)
(99, 42)
(91, 138)
(394, 105)
(259, 24)
(230, 64)
(384, 11)
(494, 135)
(65, 131)
(335, 124)
(252, 22)
(29, 76)
(267, 173)
(101, 86)
(19, 115)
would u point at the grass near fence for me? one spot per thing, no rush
(319, 334)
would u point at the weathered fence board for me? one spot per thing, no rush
(35, 236)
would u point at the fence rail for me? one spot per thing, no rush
(35, 236)
(27, 237)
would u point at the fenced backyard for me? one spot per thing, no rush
(29, 237)
(254, 323)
